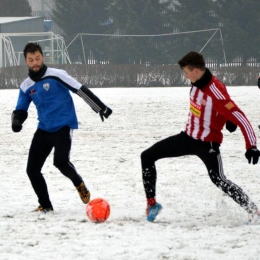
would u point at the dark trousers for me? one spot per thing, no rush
(41, 146)
(180, 145)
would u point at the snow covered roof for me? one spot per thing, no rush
(14, 19)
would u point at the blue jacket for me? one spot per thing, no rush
(52, 99)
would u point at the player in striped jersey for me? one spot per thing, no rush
(49, 89)
(210, 109)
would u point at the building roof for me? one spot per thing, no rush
(14, 19)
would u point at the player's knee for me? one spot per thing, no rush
(30, 169)
(143, 155)
(146, 158)
(32, 172)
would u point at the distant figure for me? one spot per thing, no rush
(49, 89)
(210, 109)
(258, 83)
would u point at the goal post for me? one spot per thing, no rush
(12, 45)
(86, 59)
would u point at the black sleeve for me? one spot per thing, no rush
(91, 99)
(19, 116)
(258, 82)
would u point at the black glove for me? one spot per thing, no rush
(231, 127)
(16, 126)
(258, 82)
(105, 112)
(18, 117)
(252, 154)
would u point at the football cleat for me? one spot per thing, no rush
(83, 193)
(153, 211)
(42, 209)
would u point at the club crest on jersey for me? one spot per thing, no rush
(203, 102)
(46, 86)
(195, 109)
(229, 105)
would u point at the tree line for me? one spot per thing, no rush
(238, 21)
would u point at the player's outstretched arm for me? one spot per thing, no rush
(18, 118)
(94, 102)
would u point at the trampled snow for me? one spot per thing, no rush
(197, 221)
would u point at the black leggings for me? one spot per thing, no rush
(180, 145)
(41, 146)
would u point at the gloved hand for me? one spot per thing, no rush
(18, 117)
(16, 126)
(252, 154)
(231, 127)
(105, 112)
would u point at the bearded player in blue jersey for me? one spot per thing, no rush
(49, 89)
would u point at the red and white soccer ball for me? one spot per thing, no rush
(98, 210)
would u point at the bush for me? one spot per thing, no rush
(131, 75)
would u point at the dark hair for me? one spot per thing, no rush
(32, 47)
(192, 60)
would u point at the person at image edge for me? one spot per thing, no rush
(210, 109)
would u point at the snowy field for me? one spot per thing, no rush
(197, 221)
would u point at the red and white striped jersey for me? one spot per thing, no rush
(210, 108)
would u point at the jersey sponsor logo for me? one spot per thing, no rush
(195, 109)
(32, 91)
(46, 86)
(229, 105)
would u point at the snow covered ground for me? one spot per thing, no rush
(197, 221)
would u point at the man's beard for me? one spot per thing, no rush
(36, 75)
(36, 68)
